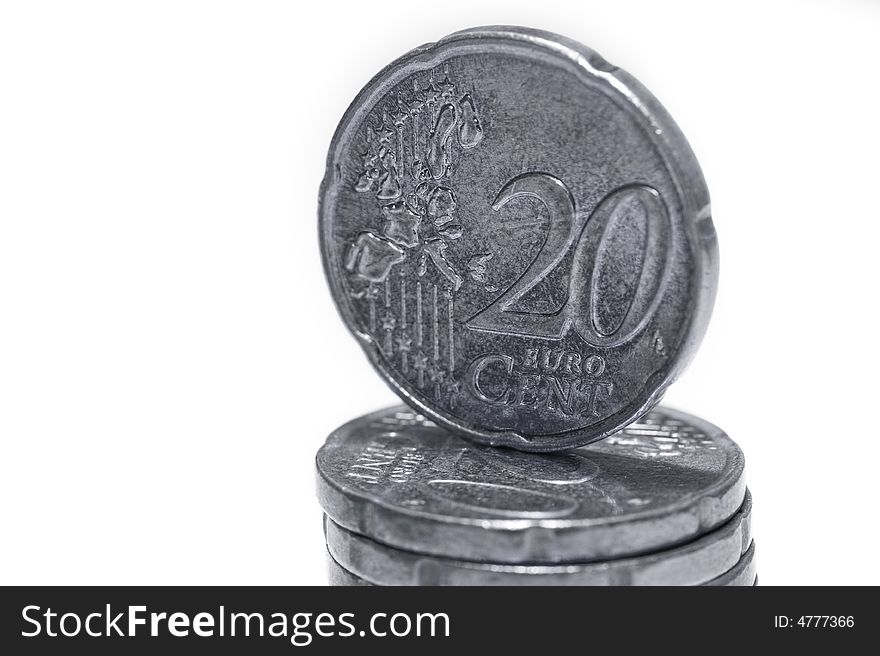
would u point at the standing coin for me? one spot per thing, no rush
(397, 478)
(519, 237)
(695, 563)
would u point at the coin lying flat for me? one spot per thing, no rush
(744, 573)
(338, 576)
(397, 478)
(692, 564)
(519, 237)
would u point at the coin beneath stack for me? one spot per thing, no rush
(519, 237)
(338, 576)
(397, 478)
(695, 563)
(744, 573)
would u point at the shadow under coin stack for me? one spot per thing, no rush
(519, 237)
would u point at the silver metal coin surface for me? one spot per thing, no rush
(744, 573)
(338, 576)
(519, 237)
(695, 563)
(396, 477)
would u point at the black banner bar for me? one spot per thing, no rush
(48, 620)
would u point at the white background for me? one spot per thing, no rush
(170, 357)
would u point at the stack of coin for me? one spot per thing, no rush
(662, 502)
(519, 237)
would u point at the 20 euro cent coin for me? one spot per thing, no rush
(519, 237)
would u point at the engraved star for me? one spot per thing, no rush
(453, 387)
(372, 292)
(436, 374)
(388, 322)
(369, 159)
(384, 134)
(416, 102)
(404, 344)
(447, 87)
(420, 361)
(431, 93)
(398, 116)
